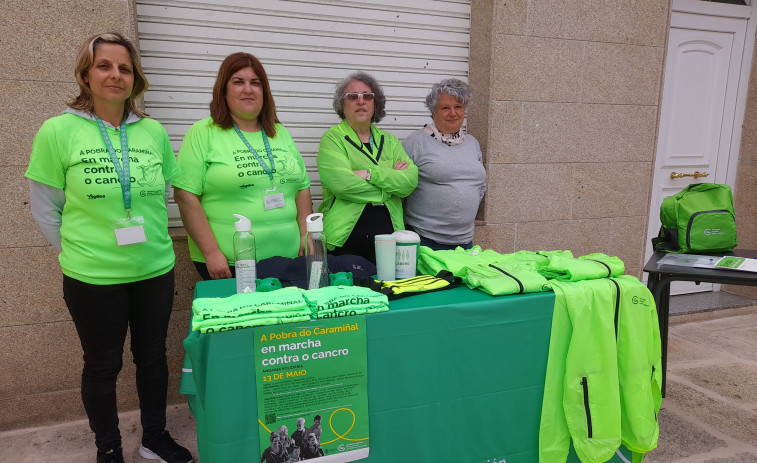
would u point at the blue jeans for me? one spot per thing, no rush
(102, 314)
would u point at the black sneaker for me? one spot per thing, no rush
(165, 449)
(110, 456)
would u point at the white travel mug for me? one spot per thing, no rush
(406, 260)
(385, 257)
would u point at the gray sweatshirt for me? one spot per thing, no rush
(451, 183)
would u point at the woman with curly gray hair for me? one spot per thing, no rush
(364, 171)
(451, 174)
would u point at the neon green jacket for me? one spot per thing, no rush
(603, 371)
(456, 261)
(489, 271)
(639, 366)
(581, 393)
(345, 194)
(501, 278)
(586, 267)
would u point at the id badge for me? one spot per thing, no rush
(129, 230)
(272, 200)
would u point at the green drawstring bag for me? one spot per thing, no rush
(698, 219)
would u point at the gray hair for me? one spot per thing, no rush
(453, 87)
(379, 101)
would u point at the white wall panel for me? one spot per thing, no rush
(306, 47)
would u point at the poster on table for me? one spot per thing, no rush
(313, 390)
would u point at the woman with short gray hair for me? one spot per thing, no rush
(379, 99)
(364, 171)
(451, 174)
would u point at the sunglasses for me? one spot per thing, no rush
(367, 96)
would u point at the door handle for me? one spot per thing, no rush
(696, 174)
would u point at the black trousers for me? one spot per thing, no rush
(102, 314)
(375, 220)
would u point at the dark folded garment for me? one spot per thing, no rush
(292, 272)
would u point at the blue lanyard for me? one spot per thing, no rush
(122, 168)
(268, 170)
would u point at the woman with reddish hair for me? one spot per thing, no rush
(241, 160)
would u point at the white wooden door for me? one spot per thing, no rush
(702, 78)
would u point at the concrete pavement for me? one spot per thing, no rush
(709, 414)
(73, 442)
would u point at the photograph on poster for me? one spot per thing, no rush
(313, 380)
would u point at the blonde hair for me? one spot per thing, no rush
(84, 61)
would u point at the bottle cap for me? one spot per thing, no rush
(314, 222)
(243, 224)
(406, 236)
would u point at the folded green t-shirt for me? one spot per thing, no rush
(247, 307)
(266, 320)
(330, 299)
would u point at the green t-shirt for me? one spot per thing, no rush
(215, 165)
(69, 153)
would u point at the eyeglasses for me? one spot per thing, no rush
(367, 96)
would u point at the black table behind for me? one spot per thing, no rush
(660, 277)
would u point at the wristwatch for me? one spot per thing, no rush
(368, 177)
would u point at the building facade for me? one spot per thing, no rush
(568, 102)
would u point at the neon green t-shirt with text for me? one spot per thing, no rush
(215, 165)
(69, 153)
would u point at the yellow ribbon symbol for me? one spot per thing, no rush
(342, 436)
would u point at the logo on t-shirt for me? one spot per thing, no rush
(150, 174)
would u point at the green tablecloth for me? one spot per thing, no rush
(453, 376)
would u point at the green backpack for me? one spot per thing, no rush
(698, 219)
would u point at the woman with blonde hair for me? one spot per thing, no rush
(98, 179)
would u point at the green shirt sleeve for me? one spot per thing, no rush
(169, 158)
(191, 161)
(46, 165)
(160, 136)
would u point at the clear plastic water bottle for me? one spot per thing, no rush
(315, 252)
(244, 255)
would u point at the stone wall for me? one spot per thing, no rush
(40, 354)
(568, 96)
(745, 192)
(566, 108)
